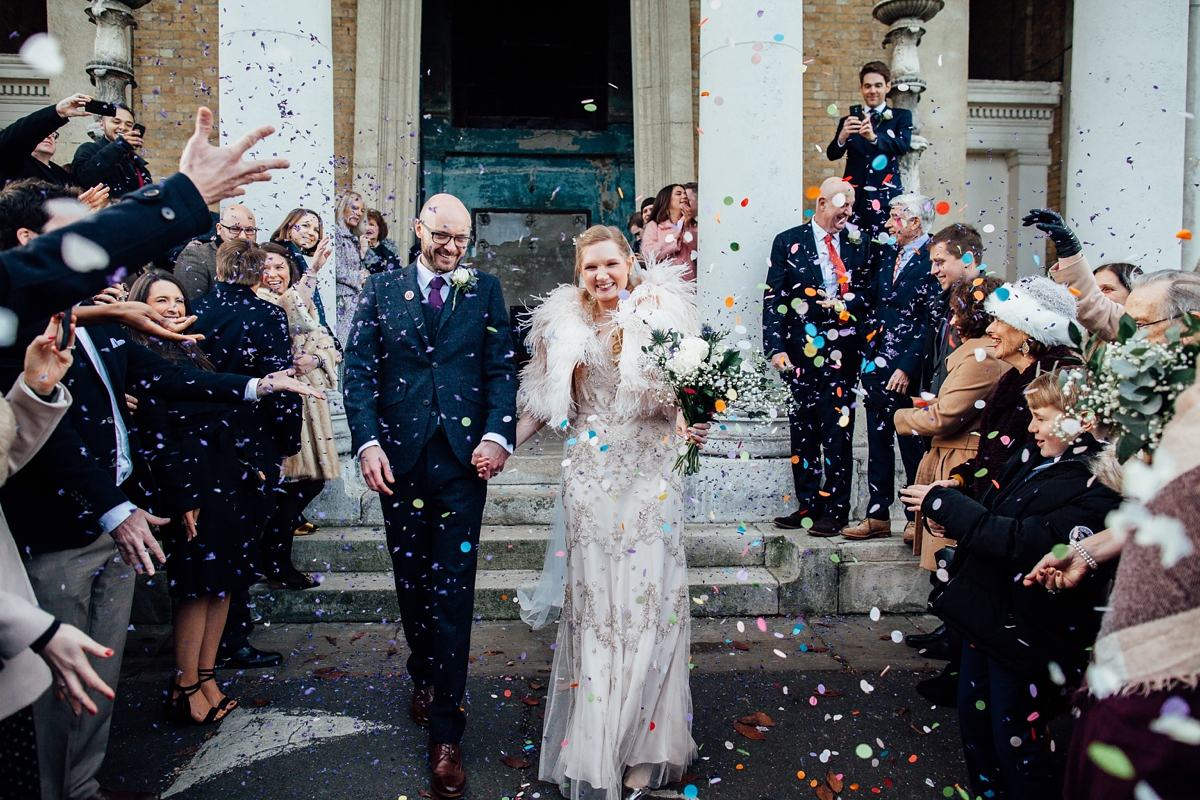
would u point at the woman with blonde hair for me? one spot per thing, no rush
(349, 247)
(619, 714)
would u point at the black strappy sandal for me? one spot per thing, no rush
(226, 705)
(179, 710)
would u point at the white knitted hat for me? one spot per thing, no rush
(1038, 307)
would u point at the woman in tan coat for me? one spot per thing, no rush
(952, 418)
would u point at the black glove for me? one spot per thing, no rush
(1051, 223)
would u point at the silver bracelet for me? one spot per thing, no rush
(1091, 562)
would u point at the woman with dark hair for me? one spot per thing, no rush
(670, 234)
(315, 356)
(1116, 279)
(382, 253)
(211, 540)
(303, 235)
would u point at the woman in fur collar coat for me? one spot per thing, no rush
(620, 713)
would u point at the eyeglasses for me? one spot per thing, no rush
(440, 238)
(54, 135)
(1142, 325)
(238, 230)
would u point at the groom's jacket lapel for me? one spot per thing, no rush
(409, 296)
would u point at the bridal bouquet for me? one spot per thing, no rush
(1130, 386)
(705, 377)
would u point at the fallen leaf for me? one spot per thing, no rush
(736, 645)
(918, 730)
(529, 700)
(899, 712)
(535, 685)
(824, 793)
(749, 732)
(494, 653)
(424, 793)
(357, 636)
(818, 649)
(516, 762)
(259, 702)
(393, 651)
(834, 781)
(758, 718)
(330, 673)
(828, 693)
(332, 640)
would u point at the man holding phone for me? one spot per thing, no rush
(113, 159)
(873, 137)
(28, 145)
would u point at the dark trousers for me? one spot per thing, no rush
(824, 448)
(997, 767)
(240, 622)
(881, 457)
(294, 497)
(433, 519)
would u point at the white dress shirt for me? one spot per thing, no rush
(828, 273)
(424, 277)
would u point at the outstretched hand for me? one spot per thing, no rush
(45, 364)
(282, 381)
(220, 172)
(1066, 243)
(67, 656)
(139, 317)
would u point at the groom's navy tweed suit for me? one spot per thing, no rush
(428, 385)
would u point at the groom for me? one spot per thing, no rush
(430, 392)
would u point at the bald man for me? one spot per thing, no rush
(814, 314)
(431, 390)
(196, 266)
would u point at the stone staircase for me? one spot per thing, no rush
(738, 562)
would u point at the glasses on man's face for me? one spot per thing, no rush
(53, 136)
(238, 230)
(440, 238)
(1142, 325)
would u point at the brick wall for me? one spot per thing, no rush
(175, 64)
(345, 39)
(839, 37)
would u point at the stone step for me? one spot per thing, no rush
(530, 469)
(371, 596)
(363, 549)
(520, 504)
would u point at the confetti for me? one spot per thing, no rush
(942, 208)
(83, 255)
(42, 53)
(1184, 235)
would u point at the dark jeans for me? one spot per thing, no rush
(276, 547)
(881, 457)
(824, 448)
(436, 511)
(1027, 770)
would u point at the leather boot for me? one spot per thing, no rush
(422, 699)
(448, 779)
(869, 529)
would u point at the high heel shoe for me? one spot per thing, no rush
(293, 579)
(179, 710)
(206, 675)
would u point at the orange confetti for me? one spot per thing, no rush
(839, 391)
(1184, 234)
(739, 766)
(718, 219)
(729, 302)
(854, 787)
(912, 759)
(1070, 289)
(719, 405)
(508, 692)
(699, 131)
(702, 21)
(503, 597)
(704, 94)
(800, 774)
(812, 192)
(977, 295)
(942, 207)
(811, 292)
(795, 459)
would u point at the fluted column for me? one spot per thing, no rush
(111, 67)
(387, 110)
(662, 94)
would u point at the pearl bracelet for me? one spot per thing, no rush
(1091, 562)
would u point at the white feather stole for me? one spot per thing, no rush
(562, 336)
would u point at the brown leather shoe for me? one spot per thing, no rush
(869, 529)
(448, 779)
(910, 532)
(422, 699)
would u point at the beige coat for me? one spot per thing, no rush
(318, 457)
(25, 424)
(1095, 312)
(952, 419)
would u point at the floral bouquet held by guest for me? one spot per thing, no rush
(704, 379)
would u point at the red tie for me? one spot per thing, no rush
(839, 268)
(896, 272)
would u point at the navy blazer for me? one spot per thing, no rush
(397, 368)
(56, 501)
(902, 311)
(893, 138)
(246, 335)
(795, 267)
(17, 142)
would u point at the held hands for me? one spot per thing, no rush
(488, 459)
(1066, 243)
(73, 106)
(136, 542)
(45, 364)
(220, 172)
(67, 656)
(913, 496)
(376, 470)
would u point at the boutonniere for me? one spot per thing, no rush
(461, 280)
(854, 237)
(887, 114)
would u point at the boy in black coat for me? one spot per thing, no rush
(1022, 644)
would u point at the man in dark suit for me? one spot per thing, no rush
(873, 139)
(112, 159)
(27, 145)
(431, 391)
(901, 298)
(814, 314)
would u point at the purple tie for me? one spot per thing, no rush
(435, 292)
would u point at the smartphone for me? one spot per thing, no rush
(856, 111)
(141, 129)
(99, 108)
(64, 331)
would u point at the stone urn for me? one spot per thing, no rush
(889, 12)
(111, 66)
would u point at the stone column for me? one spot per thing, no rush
(1127, 130)
(277, 69)
(387, 111)
(662, 94)
(1191, 168)
(111, 67)
(944, 118)
(905, 20)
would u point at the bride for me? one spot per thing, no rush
(620, 710)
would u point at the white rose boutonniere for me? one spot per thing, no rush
(887, 114)
(854, 236)
(461, 280)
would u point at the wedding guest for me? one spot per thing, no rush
(1115, 279)
(670, 234)
(955, 254)
(635, 225)
(305, 474)
(303, 234)
(113, 159)
(382, 253)
(1024, 647)
(196, 265)
(349, 247)
(28, 145)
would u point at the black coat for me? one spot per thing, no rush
(1002, 539)
(56, 501)
(114, 164)
(16, 148)
(397, 369)
(900, 316)
(246, 335)
(795, 268)
(893, 139)
(34, 281)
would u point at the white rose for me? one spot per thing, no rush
(689, 356)
(461, 276)
(855, 237)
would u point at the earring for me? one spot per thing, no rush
(1025, 347)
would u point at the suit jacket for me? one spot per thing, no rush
(112, 163)
(56, 502)
(196, 267)
(34, 281)
(246, 335)
(16, 148)
(901, 316)
(795, 268)
(25, 424)
(893, 138)
(398, 371)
